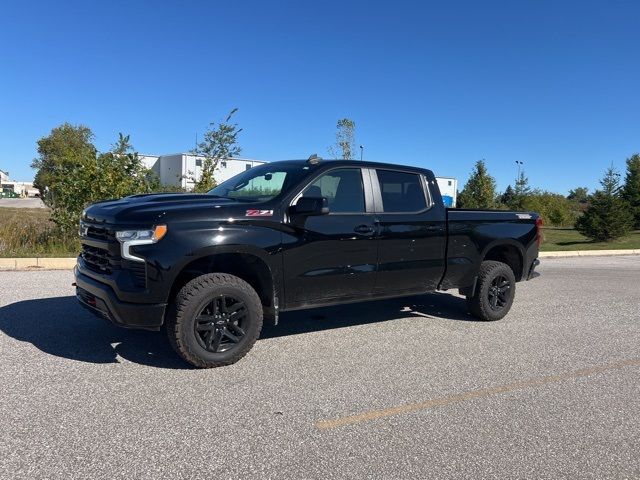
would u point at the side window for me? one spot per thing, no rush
(401, 191)
(343, 189)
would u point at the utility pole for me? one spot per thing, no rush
(519, 164)
(361, 151)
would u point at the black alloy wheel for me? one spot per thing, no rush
(499, 292)
(494, 291)
(221, 324)
(214, 320)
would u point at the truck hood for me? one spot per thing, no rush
(151, 208)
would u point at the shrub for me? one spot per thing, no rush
(554, 208)
(608, 216)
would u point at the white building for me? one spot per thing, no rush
(23, 189)
(183, 169)
(449, 190)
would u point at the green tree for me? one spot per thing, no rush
(66, 147)
(578, 199)
(508, 197)
(520, 193)
(554, 208)
(480, 189)
(220, 142)
(631, 189)
(76, 175)
(120, 172)
(522, 185)
(579, 194)
(345, 146)
(608, 216)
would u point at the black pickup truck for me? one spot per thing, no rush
(292, 235)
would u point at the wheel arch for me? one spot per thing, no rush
(506, 251)
(251, 266)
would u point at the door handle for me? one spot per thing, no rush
(363, 229)
(433, 228)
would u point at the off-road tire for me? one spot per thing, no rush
(479, 303)
(188, 304)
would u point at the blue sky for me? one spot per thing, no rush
(555, 84)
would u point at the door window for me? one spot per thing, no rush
(401, 191)
(343, 189)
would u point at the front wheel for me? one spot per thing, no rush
(494, 292)
(215, 320)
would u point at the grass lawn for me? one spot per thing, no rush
(557, 239)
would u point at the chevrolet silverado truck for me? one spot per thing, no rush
(292, 235)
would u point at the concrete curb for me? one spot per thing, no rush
(37, 263)
(588, 253)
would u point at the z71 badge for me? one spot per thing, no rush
(259, 213)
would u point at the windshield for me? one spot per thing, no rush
(262, 183)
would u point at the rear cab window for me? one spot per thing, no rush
(401, 192)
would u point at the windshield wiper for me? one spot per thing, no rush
(236, 199)
(245, 199)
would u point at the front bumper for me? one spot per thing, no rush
(103, 302)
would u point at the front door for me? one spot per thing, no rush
(334, 255)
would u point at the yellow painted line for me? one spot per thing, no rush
(462, 397)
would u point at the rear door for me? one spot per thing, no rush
(335, 255)
(411, 232)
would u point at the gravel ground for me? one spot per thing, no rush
(80, 398)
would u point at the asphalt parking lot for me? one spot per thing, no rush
(21, 203)
(410, 388)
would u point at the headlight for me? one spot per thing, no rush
(131, 238)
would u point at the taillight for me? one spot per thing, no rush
(538, 231)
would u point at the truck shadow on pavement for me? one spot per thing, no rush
(434, 305)
(60, 327)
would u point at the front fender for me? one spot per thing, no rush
(167, 259)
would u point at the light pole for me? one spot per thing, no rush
(361, 151)
(519, 164)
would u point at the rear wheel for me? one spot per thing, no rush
(215, 321)
(494, 292)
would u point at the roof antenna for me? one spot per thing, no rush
(314, 159)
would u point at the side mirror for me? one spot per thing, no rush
(311, 206)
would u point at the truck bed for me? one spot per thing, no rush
(473, 235)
